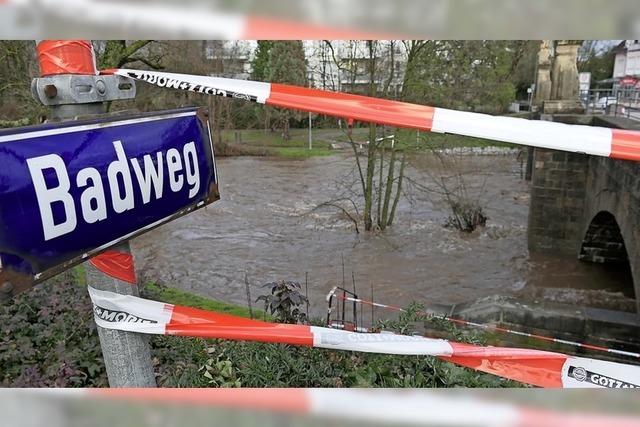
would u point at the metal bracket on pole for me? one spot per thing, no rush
(70, 95)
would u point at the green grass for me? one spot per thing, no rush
(79, 276)
(300, 153)
(178, 297)
(408, 139)
(271, 143)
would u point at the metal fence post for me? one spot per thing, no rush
(127, 355)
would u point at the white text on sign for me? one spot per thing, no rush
(179, 167)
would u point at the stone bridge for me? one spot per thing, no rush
(587, 206)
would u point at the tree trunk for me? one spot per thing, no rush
(285, 129)
(379, 213)
(388, 189)
(371, 149)
(398, 190)
(371, 167)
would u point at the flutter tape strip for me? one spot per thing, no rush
(376, 406)
(66, 57)
(118, 265)
(535, 367)
(490, 327)
(594, 140)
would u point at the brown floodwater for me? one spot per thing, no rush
(265, 225)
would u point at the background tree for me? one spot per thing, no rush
(370, 68)
(19, 66)
(468, 75)
(118, 53)
(260, 64)
(482, 76)
(598, 58)
(287, 64)
(260, 72)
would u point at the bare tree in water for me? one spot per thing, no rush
(370, 68)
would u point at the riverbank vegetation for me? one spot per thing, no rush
(48, 339)
(258, 142)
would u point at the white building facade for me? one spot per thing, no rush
(627, 62)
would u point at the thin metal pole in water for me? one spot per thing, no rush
(355, 295)
(372, 306)
(248, 291)
(306, 291)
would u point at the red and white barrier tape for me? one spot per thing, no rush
(118, 265)
(378, 406)
(382, 407)
(66, 57)
(166, 20)
(540, 368)
(598, 141)
(491, 327)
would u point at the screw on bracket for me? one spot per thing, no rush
(101, 87)
(51, 91)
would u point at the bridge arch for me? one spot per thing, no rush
(603, 243)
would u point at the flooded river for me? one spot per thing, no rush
(265, 225)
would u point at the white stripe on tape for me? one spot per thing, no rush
(158, 20)
(241, 89)
(387, 343)
(579, 372)
(560, 136)
(411, 407)
(129, 313)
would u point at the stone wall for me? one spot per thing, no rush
(586, 206)
(558, 187)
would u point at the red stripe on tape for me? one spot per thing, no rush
(118, 265)
(66, 57)
(349, 106)
(625, 144)
(208, 324)
(277, 29)
(535, 367)
(534, 417)
(280, 400)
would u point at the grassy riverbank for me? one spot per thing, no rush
(254, 142)
(48, 338)
(261, 143)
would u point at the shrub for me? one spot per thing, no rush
(285, 302)
(48, 338)
(466, 216)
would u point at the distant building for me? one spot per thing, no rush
(344, 66)
(226, 58)
(322, 71)
(626, 69)
(341, 66)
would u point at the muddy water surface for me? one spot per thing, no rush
(265, 225)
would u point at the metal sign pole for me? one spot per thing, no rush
(127, 355)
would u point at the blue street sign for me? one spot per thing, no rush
(71, 190)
